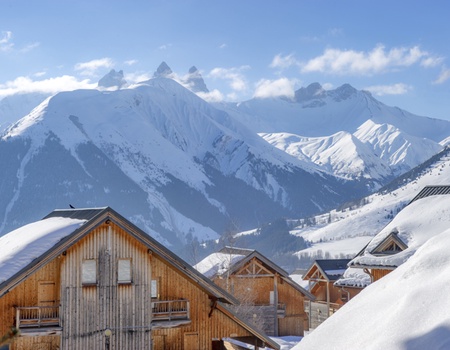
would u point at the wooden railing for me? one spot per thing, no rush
(37, 316)
(319, 311)
(169, 310)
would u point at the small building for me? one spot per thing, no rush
(328, 299)
(269, 298)
(399, 239)
(89, 279)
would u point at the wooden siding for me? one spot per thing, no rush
(173, 285)
(379, 273)
(87, 311)
(122, 308)
(27, 294)
(256, 290)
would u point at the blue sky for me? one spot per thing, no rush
(399, 50)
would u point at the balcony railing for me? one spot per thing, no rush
(170, 310)
(319, 311)
(37, 316)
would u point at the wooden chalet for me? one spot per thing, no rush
(89, 279)
(321, 277)
(269, 298)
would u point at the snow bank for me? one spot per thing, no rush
(407, 309)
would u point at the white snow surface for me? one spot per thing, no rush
(217, 263)
(405, 310)
(21, 246)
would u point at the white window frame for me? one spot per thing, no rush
(124, 271)
(89, 272)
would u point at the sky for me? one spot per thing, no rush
(397, 50)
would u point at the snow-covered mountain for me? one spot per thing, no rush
(161, 156)
(345, 131)
(16, 106)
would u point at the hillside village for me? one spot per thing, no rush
(83, 277)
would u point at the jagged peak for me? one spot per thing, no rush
(312, 91)
(344, 92)
(194, 81)
(112, 79)
(163, 71)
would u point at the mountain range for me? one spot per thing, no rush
(184, 169)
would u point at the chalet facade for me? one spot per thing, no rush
(269, 298)
(90, 279)
(328, 298)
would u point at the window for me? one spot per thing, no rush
(154, 289)
(124, 271)
(89, 272)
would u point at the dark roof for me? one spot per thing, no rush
(237, 251)
(330, 267)
(81, 214)
(431, 191)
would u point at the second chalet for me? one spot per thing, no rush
(269, 298)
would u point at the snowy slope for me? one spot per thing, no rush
(160, 155)
(385, 314)
(360, 221)
(14, 107)
(341, 154)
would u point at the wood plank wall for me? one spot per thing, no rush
(26, 294)
(87, 311)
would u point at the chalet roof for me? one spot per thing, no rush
(44, 240)
(230, 260)
(331, 269)
(431, 191)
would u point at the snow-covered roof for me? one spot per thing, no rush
(353, 277)
(414, 225)
(407, 309)
(20, 247)
(218, 263)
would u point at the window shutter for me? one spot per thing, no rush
(124, 271)
(89, 272)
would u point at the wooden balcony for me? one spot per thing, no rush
(319, 311)
(170, 313)
(32, 320)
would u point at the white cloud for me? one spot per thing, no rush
(30, 47)
(137, 77)
(234, 77)
(443, 76)
(5, 41)
(90, 68)
(395, 89)
(431, 62)
(164, 46)
(274, 88)
(212, 96)
(223, 46)
(130, 62)
(283, 62)
(40, 74)
(24, 84)
(378, 60)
